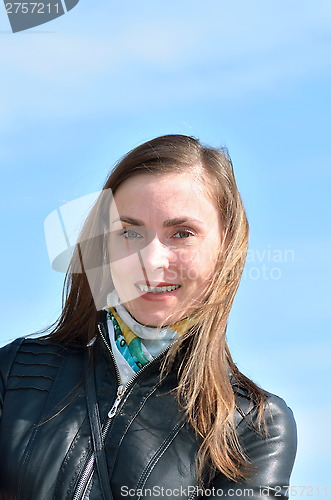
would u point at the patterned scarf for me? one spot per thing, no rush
(137, 343)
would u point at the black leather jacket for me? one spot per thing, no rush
(45, 436)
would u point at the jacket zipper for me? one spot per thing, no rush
(87, 473)
(193, 495)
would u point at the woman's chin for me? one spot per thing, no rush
(155, 317)
(157, 320)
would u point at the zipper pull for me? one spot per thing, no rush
(91, 342)
(117, 401)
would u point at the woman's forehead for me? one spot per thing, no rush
(156, 180)
(167, 195)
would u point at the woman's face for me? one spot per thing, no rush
(164, 241)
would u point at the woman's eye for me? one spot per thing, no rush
(129, 234)
(183, 235)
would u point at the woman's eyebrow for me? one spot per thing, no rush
(180, 220)
(167, 223)
(129, 220)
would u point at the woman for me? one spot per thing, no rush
(133, 393)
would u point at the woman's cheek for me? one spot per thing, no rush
(186, 258)
(123, 271)
(173, 275)
(121, 256)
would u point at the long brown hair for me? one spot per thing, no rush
(204, 389)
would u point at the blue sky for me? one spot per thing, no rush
(79, 92)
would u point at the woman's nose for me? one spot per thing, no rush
(156, 255)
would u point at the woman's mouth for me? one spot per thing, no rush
(156, 289)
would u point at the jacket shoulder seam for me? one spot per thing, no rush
(12, 349)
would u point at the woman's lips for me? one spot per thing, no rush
(159, 288)
(159, 291)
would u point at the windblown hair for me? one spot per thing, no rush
(205, 389)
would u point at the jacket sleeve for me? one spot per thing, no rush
(7, 356)
(272, 456)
